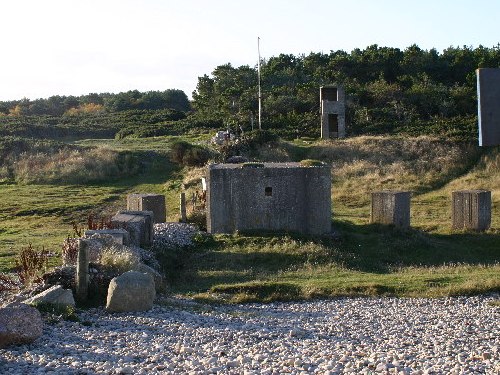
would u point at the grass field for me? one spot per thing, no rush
(363, 259)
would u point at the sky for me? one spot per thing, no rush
(76, 47)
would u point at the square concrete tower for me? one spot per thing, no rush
(269, 197)
(488, 105)
(332, 104)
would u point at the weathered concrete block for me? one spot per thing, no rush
(488, 100)
(269, 197)
(148, 202)
(391, 208)
(471, 209)
(139, 224)
(131, 291)
(19, 324)
(120, 236)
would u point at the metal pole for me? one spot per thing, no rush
(260, 93)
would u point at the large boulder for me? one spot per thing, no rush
(55, 295)
(19, 324)
(160, 284)
(131, 291)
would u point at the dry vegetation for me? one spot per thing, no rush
(428, 260)
(48, 162)
(365, 164)
(77, 166)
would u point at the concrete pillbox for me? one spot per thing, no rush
(269, 197)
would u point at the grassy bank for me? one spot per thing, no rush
(362, 259)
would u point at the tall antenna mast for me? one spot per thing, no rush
(260, 93)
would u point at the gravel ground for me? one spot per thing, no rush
(173, 235)
(347, 335)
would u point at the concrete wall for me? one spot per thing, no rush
(488, 97)
(276, 197)
(336, 107)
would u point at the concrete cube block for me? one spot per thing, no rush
(391, 208)
(139, 224)
(120, 236)
(148, 202)
(471, 209)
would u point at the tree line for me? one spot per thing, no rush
(387, 89)
(124, 101)
(412, 91)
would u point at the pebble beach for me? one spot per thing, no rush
(346, 335)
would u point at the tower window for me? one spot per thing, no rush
(268, 191)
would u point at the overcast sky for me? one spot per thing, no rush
(69, 47)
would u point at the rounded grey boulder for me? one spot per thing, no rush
(19, 324)
(131, 291)
(55, 295)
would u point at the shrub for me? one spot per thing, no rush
(54, 312)
(69, 251)
(185, 153)
(247, 144)
(30, 264)
(119, 259)
(198, 217)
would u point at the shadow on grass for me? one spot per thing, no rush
(155, 168)
(377, 249)
(381, 248)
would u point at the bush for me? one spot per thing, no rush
(198, 217)
(54, 313)
(120, 260)
(185, 153)
(247, 144)
(69, 251)
(30, 264)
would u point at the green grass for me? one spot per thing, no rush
(428, 260)
(367, 261)
(42, 214)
